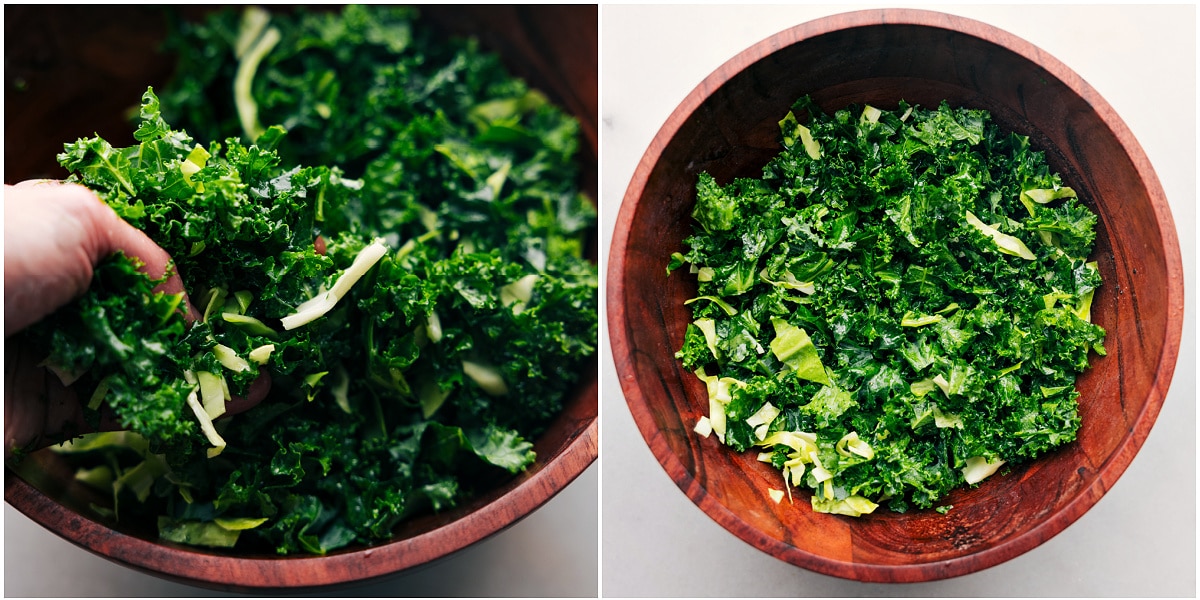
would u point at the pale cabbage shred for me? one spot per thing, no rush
(798, 354)
(793, 347)
(211, 392)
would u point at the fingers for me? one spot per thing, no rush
(56, 415)
(24, 391)
(38, 409)
(259, 389)
(111, 234)
(54, 234)
(46, 259)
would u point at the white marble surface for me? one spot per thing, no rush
(1139, 540)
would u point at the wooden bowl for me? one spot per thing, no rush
(81, 68)
(728, 127)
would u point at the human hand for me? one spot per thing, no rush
(54, 235)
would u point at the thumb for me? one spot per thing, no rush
(114, 234)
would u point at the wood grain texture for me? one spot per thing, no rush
(78, 69)
(728, 127)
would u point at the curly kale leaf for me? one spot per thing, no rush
(123, 342)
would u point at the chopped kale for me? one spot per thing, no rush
(909, 292)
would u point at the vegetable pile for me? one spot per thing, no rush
(899, 306)
(381, 219)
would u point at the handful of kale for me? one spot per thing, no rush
(422, 306)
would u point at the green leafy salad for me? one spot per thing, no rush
(898, 307)
(377, 218)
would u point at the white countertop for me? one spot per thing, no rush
(1139, 540)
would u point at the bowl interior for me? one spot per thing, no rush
(728, 127)
(80, 70)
